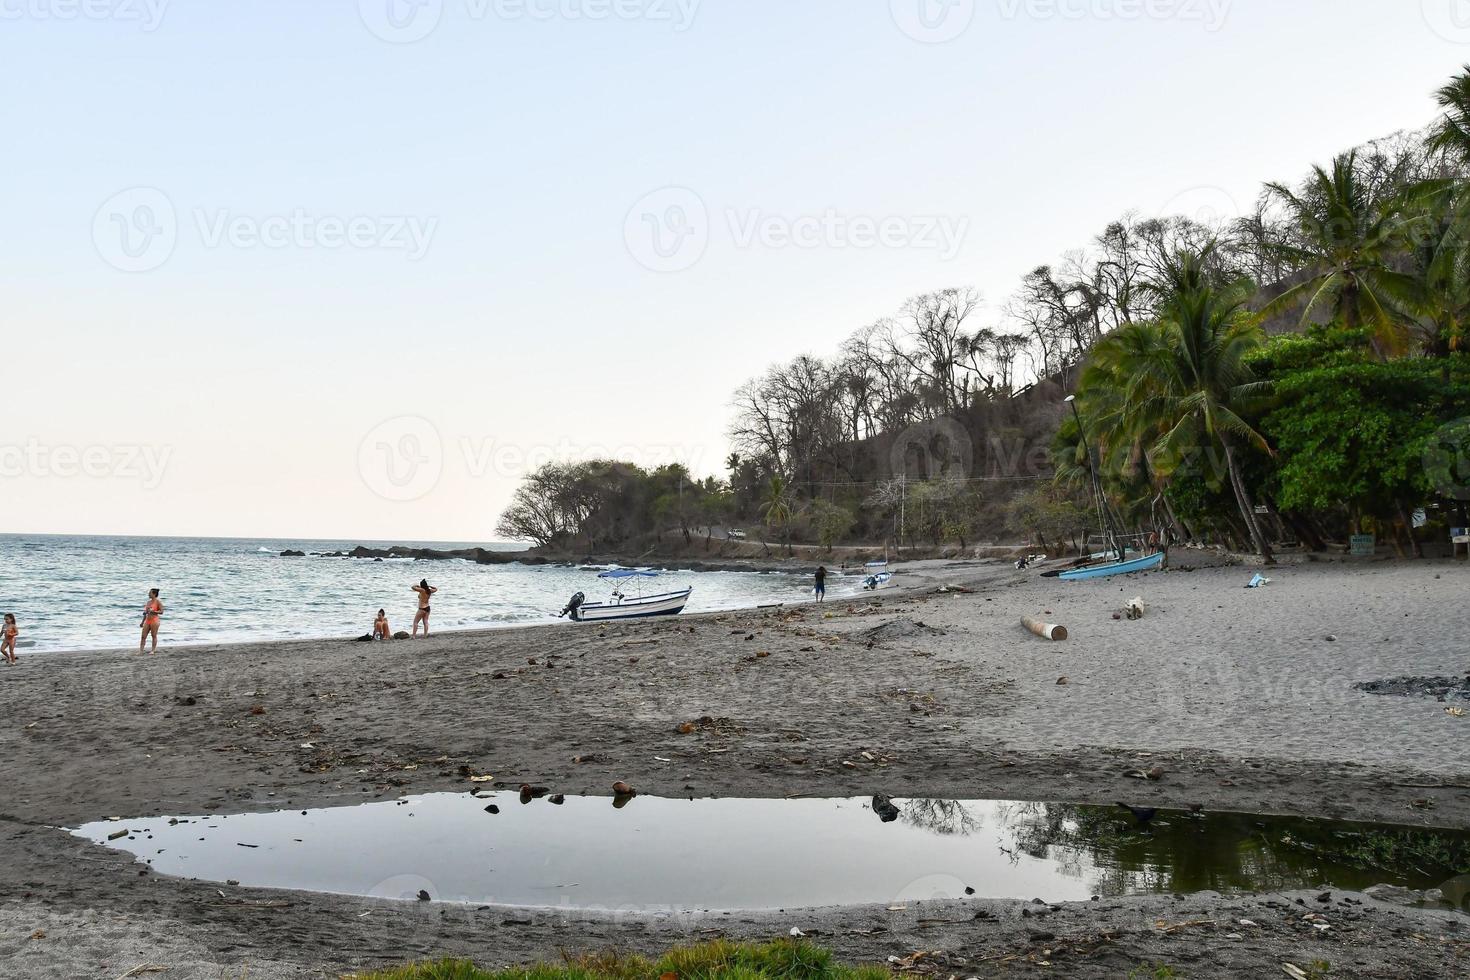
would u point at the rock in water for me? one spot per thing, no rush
(884, 807)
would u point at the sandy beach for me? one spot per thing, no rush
(1247, 699)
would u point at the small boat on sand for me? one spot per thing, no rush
(621, 606)
(1147, 563)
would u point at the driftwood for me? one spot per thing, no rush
(1047, 631)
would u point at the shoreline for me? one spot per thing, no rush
(1236, 694)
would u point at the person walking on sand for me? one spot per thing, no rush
(8, 633)
(152, 617)
(381, 629)
(425, 590)
(821, 589)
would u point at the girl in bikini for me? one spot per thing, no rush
(422, 616)
(381, 629)
(8, 633)
(152, 617)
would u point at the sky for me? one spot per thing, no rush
(342, 269)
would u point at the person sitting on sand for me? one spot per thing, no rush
(8, 633)
(821, 584)
(425, 590)
(381, 629)
(152, 617)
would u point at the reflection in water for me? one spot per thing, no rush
(1182, 852)
(943, 817)
(661, 855)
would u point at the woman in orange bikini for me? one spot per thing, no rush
(8, 633)
(422, 616)
(381, 629)
(152, 616)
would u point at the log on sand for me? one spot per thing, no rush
(1047, 631)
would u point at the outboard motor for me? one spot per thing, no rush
(573, 605)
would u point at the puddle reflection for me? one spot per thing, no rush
(702, 855)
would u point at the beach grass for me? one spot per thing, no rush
(783, 959)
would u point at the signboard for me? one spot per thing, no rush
(1364, 545)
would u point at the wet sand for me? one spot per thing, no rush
(1240, 696)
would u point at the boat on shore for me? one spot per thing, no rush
(1146, 563)
(877, 576)
(621, 606)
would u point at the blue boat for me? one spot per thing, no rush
(1146, 564)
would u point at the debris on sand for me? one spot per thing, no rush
(898, 629)
(1440, 688)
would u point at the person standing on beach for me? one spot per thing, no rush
(152, 617)
(822, 583)
(8, 633)
(425, 590)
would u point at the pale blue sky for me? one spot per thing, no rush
(231, 387)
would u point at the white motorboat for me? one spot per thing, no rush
(877, 576)
(621, 606)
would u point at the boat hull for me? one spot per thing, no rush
(1147, 563)
(669, 604)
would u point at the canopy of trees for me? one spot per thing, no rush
(1281, 375)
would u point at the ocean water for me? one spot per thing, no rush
(82, 593)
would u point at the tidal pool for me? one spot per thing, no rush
(667, 855)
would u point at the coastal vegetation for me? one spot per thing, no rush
(785, 959)
(1298, 373)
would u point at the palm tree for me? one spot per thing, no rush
(1197, 385)
(776, 509)
(1451, 134)
(1348, 244)
(1118, 383)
